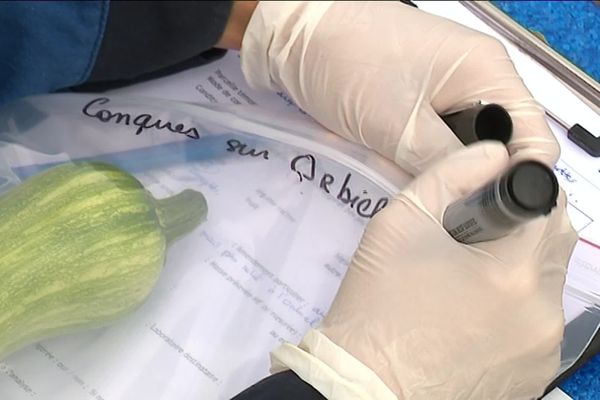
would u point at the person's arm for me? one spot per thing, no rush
(95, 45)
(241, 12)
(152, 39)
(283, 385)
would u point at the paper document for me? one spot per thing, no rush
(219, 82)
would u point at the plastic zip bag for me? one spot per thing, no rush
(286, 209)
(287, 205)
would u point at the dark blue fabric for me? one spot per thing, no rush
(284, 385)
(45, 46)
(584, 385)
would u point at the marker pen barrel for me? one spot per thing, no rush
(529, 189)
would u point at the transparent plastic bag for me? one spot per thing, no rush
(287, 204)
(286, 209)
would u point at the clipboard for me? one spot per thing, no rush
(579, 81)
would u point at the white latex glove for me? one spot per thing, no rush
(379, 73)
(436, 319)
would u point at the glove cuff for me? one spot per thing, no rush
(328, 368)
(274, 28)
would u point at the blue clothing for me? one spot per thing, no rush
(45, 46)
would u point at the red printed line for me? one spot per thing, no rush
(590, 243)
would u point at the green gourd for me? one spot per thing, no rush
(81, 245)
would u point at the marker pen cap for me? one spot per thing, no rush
(527, 190)
(480, 122)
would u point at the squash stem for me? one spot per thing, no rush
(181, 213)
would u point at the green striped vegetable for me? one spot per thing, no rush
(82, 244)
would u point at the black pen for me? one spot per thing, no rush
(579, 135)
(492, 122)
(480, 122)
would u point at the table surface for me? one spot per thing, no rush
(572, 28)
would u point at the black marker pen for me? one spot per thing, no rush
(529, 189)
(480, 122)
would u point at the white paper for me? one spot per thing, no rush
(557, 394)
(220, 82)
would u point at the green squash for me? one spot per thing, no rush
(81, 245)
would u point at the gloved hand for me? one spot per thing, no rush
(432, 318)
(380, 73)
